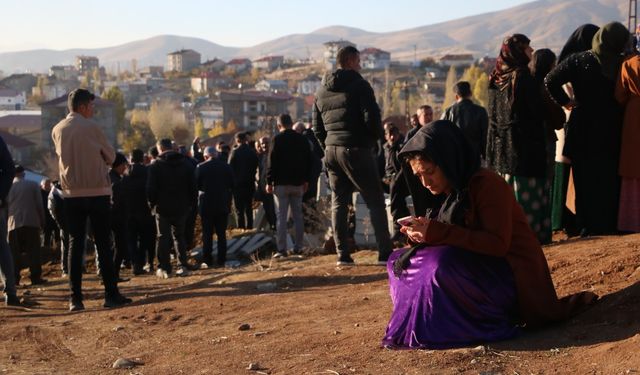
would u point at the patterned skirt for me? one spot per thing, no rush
(533, 195)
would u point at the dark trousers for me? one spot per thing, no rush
(120, 245)
(171, 228)
(398, 191)
(211, 222)
(97, 210)
(25, 242)
(243, 200)
(190, 228)
(269, 207)
(64, 250)
(50, 233)
(597, 185)
(141, 233)
(353, 168)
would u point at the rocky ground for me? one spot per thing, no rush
(307, 316)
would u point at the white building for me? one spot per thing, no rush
(273, 85)
(11, 99)
(183, 60)
(374, 58)
(309, 85)
(331, 52)
(203, 83)
(268, 62)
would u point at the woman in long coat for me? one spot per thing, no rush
(593, 131)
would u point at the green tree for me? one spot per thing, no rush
(198, 128)
(114, 95)
(163, 118)
(481, 90)
(449, 95)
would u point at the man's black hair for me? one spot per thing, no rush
(462, 89)
(137, 156)
(79, 97)
(345, 54)
(285, 120)
(165, 144)
(241, 136)
(153, 151)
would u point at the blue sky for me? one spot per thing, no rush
(69, 24)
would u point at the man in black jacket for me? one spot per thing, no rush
(244, 162)
(288, 175)
(268, 203)
(171, 191)
(7, 171)
(346, 120)
(215, 181)
(471, 118)
(398, 190)
(119, 213)
(140, 223)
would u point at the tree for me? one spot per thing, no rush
(139, 134)
(163, 118)
(481, 90)
(255, 75)
(198, 128)
(449, 95)
(115, 96)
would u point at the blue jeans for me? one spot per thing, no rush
(6, 260)
(289, 196)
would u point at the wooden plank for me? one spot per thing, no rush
(250, 250)
(238, 244)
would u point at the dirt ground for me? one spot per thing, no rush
(306, 316)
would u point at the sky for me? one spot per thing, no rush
(66, 24)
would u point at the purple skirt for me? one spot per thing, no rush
(449, 297)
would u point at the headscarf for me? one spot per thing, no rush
(444, 143)
(579, 41)
(608, 45)
(511, 60)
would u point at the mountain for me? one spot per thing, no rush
(547, 23)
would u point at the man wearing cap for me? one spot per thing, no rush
(26, 218)
(84, 156)
(215, 182)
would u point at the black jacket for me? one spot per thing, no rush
(290, 159)
(135, 185)
(345, 112)
(118, 204)
(7, 171)
(215, 182)
(171, 185)
(472, 119)
(244, 163)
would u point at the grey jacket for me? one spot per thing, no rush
(25, 205)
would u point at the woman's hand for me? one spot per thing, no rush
(417, 232)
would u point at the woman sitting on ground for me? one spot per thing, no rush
(478, 273)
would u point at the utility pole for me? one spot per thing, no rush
(633, 19)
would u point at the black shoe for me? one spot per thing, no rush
(345, 261)
(116, 301)
(38, 281)
(75, 304)
(12, 300)
(123, 279)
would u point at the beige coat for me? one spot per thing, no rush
(84, 157)
(628, 94)
(26, 208)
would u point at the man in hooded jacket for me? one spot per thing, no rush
(346, 121)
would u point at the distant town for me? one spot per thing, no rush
(213, 99)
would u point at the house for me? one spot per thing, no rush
(87, 64)
(215, 65)
(55, 110)
(21, 132)
(239, 65)
(252, 110)
(309, 85)
(64, 72)
(331, 52)
(203, 83)
(11, 99)
(374, 58)
(151, 72)
(183, 60)
(211, 114)
(19, 82)
(457, 60)
(268, 62)
(19, 147)
(487, 63)
(274, 85)
(54, 88)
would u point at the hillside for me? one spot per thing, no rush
(308, 316)
(547, 22)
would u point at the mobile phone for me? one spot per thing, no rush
(407, 221)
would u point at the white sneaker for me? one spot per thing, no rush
(162, 274)
(182, 271)
(204, 266)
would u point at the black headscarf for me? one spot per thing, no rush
(579, 41)
(608, 45)
(444, 143)
(511, 61)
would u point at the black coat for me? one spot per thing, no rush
(118, 203)
(7, 171)
(516, 139)
(135, 185)
(472, 119)
(244, 163)
(215, 182)
(345, 112)
(171, 185)
(290, 160)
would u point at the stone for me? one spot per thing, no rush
(254, 366)
(244, 327)
(126, 363)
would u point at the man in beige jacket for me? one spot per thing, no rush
(84, 156)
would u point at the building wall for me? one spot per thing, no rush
(13, 102)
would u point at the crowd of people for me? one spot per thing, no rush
(488, 187)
